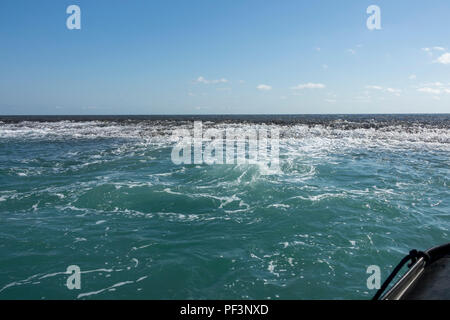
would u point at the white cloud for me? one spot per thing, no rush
(431, 49)
(308, 86)
(435, 88)
(374, 87)
(201, 80)
(264, 87)
(412, 77)
(392, 90)
(205, 81)
(429, 90)
(444, 59)
(434, 84)
(380, 88)
(351, 51)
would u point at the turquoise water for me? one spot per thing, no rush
(105, 195)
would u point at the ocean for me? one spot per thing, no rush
(102, 193)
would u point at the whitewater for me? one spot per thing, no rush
(102, 193)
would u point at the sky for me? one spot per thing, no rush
(224, 57)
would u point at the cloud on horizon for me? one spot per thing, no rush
(264, 87)
(308, 85)
(205, 81)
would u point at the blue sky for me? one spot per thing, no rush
(224, 57)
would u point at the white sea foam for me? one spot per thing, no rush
(114, 286)
(158, 132)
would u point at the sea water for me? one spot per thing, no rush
(103, 194)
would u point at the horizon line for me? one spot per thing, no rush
(217, 114)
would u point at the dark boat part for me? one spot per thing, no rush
(428, 277)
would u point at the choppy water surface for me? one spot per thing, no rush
(103, 194)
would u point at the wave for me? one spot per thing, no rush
(296, 141)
